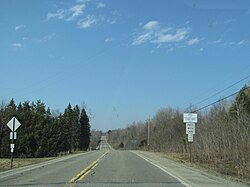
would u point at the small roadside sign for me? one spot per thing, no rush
(190, 128)
(190, 118)
(11, 135)
(134, 141)
(13, 124)
(190, 138)
(12, 147)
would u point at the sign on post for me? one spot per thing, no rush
(11, 135)
(13, 124)
(190, 118)
(190, 128)
(190, 137)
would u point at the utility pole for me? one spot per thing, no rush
(148, 131)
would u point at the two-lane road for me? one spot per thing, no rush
(124, 168)
(107, 168)
(56, 172)
(116, 168)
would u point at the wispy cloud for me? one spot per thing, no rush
(82, 1)
(112, 22)
(154, 32)
(59, 14)
(18, 27)
(78, 13)
(151, 25)
(223, 43)
(241, 42)
(230, 21)
(193, 41)
(16, 45)
(67, 14)
(107, 40)
(46, 38)
(142, 38)
(87, 22)
(175, 36)
(219, 41)
(100, 5)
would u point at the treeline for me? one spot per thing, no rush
(221, 141)
(42, 133)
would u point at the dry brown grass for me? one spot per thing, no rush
(225, 167)
(20, 162)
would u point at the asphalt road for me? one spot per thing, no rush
(124, 168)
(107, 168)
(96, 168)
(57, 172)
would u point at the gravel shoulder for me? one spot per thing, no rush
(188, 173)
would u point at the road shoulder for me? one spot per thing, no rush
(189, 176)
(22, 169)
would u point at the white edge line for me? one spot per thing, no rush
(146, 159)
(35, 166)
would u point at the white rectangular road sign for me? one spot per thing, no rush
(11, 135)
(10, 124)
(190, 118)
(190, 128)
(190, 138)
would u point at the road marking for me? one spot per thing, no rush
(160, 167)
(39, 165)
(81, 175)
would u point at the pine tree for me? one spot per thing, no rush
(67, 128)
(75, 133)
(241, 104)
(85, 131)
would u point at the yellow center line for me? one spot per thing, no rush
(81, 175)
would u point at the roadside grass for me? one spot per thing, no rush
(224, 168)
(20, 162)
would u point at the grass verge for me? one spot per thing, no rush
(20, 162)
(211, 167)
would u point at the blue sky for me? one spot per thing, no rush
(124, 59)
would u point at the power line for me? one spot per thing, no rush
(222, 90)
(220, 100)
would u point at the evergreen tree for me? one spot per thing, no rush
(43, 134)
(67, 128)
(37, 137)
(75, 132)
(241, 104)
(8, 112)
(85, 131)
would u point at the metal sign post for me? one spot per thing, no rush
(13, 124)
(190, 119)
(12, 142)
